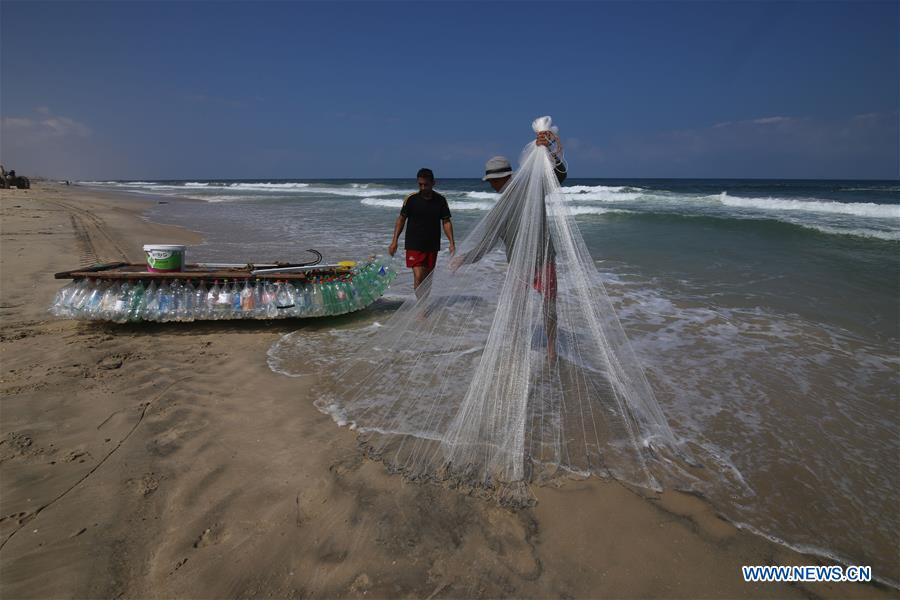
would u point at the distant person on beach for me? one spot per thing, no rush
(426, 211)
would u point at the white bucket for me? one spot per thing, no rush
(165, 258)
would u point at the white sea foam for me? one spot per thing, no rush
(398, 202)
(589, 189)
(268, 187)
(384, 202)
(861, 209)
(891, 236)
(603, 196)
(483, 195)
(593, 210)
(357, 192)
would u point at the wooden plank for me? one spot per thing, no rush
(92, 269)
(125, 271)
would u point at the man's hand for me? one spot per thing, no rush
(392, 249)
(452, 248)
(544, 138)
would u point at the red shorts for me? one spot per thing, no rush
(418, 258)
(545, 280)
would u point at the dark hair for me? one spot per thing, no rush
(426, 173)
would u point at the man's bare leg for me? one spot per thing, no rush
(419, 275)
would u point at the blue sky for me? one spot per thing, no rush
(153, 90)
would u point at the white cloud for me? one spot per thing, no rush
(25, 130)
(45, 143)
(759, 121)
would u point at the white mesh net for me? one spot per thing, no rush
(510, 365)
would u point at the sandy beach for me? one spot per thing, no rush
(168, 460)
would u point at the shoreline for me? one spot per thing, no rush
(138, 459)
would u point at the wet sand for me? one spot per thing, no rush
(167, 460)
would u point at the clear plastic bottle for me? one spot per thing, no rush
(302, 300)
(136, 301)
(247, 300)
(164, 302)
(60, 306)
(223, 303)
(318, 302)
(150, 303)
(259, 309)
(184, 300)
(121, 306)
(237, 307)
(200, 307)
(108, 301)
(91, 307)
(180, 299)
(212, 299)
(284, 300)
(269, 295)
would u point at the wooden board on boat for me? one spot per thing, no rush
(197, 272)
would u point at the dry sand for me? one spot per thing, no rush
(166, 461)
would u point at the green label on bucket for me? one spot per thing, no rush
(164, 260)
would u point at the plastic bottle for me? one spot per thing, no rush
(318, 300)
(340, 296)
(108, 301)
(119, 312)
(164, 302)
(135, 301)
(269, 300)
(303, 300)
(259, 308)
(212, 298)
(247, 300)
(149, 308)
(60, 306)
(93, 305)
(183, 293)
(223, 302)
(201, 310)
(284, 299)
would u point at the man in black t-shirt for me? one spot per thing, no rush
(426, 212)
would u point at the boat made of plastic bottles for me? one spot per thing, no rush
(123, 292)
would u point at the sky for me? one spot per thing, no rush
(308, 90)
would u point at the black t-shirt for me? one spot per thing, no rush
(423, 225)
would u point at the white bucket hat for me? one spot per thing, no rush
(496, 167)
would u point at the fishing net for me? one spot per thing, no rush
(510, 364)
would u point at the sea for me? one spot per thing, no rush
(766, 314)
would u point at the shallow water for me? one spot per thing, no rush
(765, 314)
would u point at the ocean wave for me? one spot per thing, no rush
(482, 195)
(602, 196)
(860, 209)
(594, 210)
(589, 189)
(383, 202)
(357, 192)
(887, 188)
(398, 203)
(889, 236)
(265, 187)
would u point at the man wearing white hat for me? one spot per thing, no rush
(498, 172)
